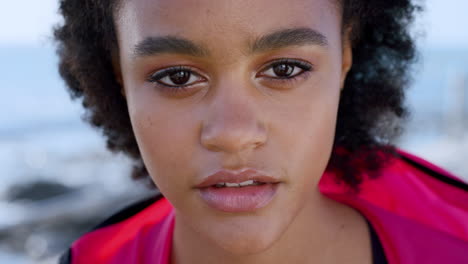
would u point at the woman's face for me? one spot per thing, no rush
(242, 91)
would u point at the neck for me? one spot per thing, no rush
(324, 231)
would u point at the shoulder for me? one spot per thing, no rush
(428, 207)
(416, 163)
(418, 190)
(419, 210)
(404, 174)
(411, 184)
(115, 239)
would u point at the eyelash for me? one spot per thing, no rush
(304, 66)
(157, 76)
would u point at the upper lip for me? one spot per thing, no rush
(236, 177)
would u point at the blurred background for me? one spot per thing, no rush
(57, 177)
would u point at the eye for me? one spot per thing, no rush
(286, 69)
(178, 76)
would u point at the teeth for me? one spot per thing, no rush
(251, 182)
(242, 184)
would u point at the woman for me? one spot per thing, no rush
(267, 128)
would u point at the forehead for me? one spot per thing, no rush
(223, 22)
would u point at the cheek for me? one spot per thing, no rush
(165, 138)
(316, 104)
(307, 128)
(309, 137)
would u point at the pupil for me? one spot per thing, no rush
(180, 77)
(283, 70)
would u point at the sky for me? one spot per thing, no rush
(29, 22)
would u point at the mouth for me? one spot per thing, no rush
(238, 185)
(246, 191)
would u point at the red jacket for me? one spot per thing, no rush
(419, 212)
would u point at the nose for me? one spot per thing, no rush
(233, 124)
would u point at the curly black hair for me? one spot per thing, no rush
(371, 108)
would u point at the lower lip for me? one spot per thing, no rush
(239, 199)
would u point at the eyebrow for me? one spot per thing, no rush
(168, 44)
(279, 39)
(289, 37)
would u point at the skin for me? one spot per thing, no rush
(238, 114)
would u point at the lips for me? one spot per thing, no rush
(230, 177)
(246, 191)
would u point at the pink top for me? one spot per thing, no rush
(143, 238)
(419, 218)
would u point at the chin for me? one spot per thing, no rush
(240, 238)
(249, 244)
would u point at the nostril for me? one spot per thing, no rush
(232, 125)
(232, 139)
(232, 133)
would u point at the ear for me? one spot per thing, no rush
(118, 71)
(347, 56)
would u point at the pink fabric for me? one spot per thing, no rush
(418, 219)
(128, 241)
